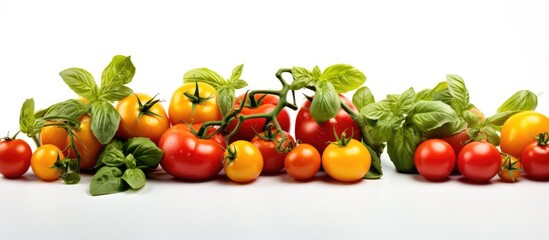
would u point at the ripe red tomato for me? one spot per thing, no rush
(189, 157)
(303, 162)
(307, 130)
(435, 159)
(265, 98)
(535, 159)
(273, 159)
(15, 157)
(479, 161)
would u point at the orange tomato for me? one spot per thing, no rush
(205, 108)
(85, 142)
(42, 162)
(143, 120)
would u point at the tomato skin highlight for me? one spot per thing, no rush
(535, 161)
(149, 126)
(189, 157)
(307, 130)
(247, 164)
(181, 107)
(348, 163)
(88, 146)
(434, 159)
(15, 158)
(42, 161)
(303, 162)
(479, 161)
(273, 160)
(520, 130)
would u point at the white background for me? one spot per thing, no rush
(498, 47)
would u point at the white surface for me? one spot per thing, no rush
(498, 47)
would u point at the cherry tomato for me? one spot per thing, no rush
(273, 159)
(86, 143)
(205, 107)
(535, 159)
(15, 157)
(147, 119)
(42, 162)
(307, 130)
(457, 141)
(303, 162)
(511, 168)
(54, 135)
(346, 163)
(520, 130)
(479, 161)
(242, 161)
(189, 157)
(435, 159)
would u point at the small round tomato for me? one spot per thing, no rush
(15, 157)
(535, 158)
(511, 168)
(434, 159)
(242, 161)
(86, 143)
(520, 130)
(42, 162)
(307, 130)
(55, 135)
(303, 162)
(346, 162)
(188, 157)
(479, 161)
(273, 156)
(141, 116)
(194, 103)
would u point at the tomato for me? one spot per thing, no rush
(242, 161)
(434, 159)
(303, 162)
(511, 168)
(86, 143)
(265, 99)
(479, 161)
(147, 119)
(273, 159)
(15, 157)
(520, 130)
(42, 162)
(54, 135)
(205, 107)
(189, 157)
(346, 163)
(307, 130)
(535, 159)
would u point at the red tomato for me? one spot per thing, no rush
(273, 160)
(435, 159)
(303, 162)
(535, 159)
(307, 130)
(189, 157)
(15, 157)
(479, 161)
(265, 99)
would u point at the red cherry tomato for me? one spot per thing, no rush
(15, 158)
(435, 159)
(303, 162)
(273, 159)
(479, 161)
(535, 159)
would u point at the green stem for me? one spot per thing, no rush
(36, 140)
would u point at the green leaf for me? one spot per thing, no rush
(448, 129)
(302, 78)
(523, 100)
(135, 177)
(238, 84)
(71, 178)
(344, 77)
(363, 97)
(130, 161)
(406, 101)
(225, 99)
(384, 129)
(145, 151)
(326, 102)
(428, 115)
(402, 147)
(376, 111)
(71, 108)
(113, 93)
(106, 181)
(316, 73)
(443, 96)
(491, 135)
(460, 95)
(104, 121)
(470, 118)
(112, 155)
(499, 118)
(26, 117)
(205, 75)
(428, 94)
(375, 171)
(81, 82)
(119, 71)
(237, 72)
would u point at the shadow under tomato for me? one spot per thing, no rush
(327, 179)
(534, 179)
(420, 178)
(285, 178)
(464, 180)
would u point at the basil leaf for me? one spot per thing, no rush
(135, 177)
(470, 118)
(491, 135)
(26, 116)
(326, 102)
(344, 77)
(119, 71)
(384, 129)
(363, 97)
(448, 129)
(460, 95)
(428, 94)
(406, 101)
(112, 155)
(375, 171)
(523, 100)
(376, 111)
(70, 178)
(499, 118)
(316, 73)
(106, 181)
(204, 75)
(130, 161)
(302, 78)
(401, 148)
(237, 72)
(71, 108)
(104, 121)
(145, 151)
(113, 92)
(238, 84)
(81, 82)
(443, 96)
(225, 99)
(428, 115)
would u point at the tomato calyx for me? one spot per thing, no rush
(145, 109)
(231, 155)
(510, 166)
(8, 138)
(195, 98)
(543, 139)
(342, 140)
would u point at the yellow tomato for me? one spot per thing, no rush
(192, 109)
(54, 135)
(520, 130)
(146, 120)
(346, 163)
(42, 162)
(242, 161)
